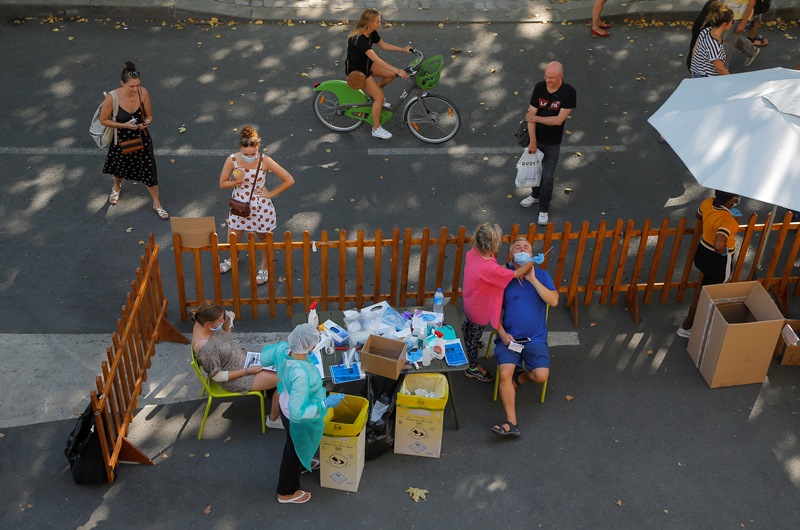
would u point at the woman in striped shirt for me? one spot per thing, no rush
(708, 56)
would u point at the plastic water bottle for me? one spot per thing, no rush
(438, 306)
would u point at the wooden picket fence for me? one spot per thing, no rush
(587, 265)
(142, 325)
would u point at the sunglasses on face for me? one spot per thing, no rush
(135, 74)
(249, 143)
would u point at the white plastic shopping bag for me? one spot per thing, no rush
(529, 169)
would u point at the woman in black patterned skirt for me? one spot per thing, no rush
(132, 118)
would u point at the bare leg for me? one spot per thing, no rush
(264, 253)
(154, 194)
(537, 375)
(597, 10)
(265, 380)
(689, 320)
(117, 183)
(376, 93)
(507, 391)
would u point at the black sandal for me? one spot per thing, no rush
(761, 41)
(512, 430)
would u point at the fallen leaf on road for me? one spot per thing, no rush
(191, 455)
(649, 352)
(593, 324)
(181, 129)
(165, 455)
(509, 196)
(417, 494)
(303, 74)
(618, 502)
(207, 510)
(567, 190)
(606, 148)
(569, 398)
(226, 440)
(129, 229)
(171, 160)
(485, 158)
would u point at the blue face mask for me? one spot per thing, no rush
(521, 258)
(218, 327)
(249, 159)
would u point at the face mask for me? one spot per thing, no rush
(521, 258)
(218, 327)
(249, 158)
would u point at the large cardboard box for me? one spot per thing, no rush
(419, 420)
(383, 356)
(341, 450)
(788, 353)
(734, 333)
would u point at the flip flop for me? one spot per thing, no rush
(300, 498)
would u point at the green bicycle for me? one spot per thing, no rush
(430, 117)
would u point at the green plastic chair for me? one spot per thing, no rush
(490, 351)
(215, 391)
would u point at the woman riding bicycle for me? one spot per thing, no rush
(362, 58)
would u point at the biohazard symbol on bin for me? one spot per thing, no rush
(337, 460)
(418, 433)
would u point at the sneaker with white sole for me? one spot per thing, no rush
(749, 60)
(381, 133)
(685, 333)
(274, 424)
(544, 217)
(528, 201)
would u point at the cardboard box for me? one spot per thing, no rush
(734, 333)
(419, 421)
(382, 356)
(341, 450)
(788, 353)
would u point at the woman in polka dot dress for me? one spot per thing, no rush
(239, 175)
(132, 119)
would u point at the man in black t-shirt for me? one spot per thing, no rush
(551, 102)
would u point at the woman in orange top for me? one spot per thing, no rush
(714, 254)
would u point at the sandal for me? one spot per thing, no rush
(225, 266)
(604, 25)
(113, 198)
(161, 213)
(511, 430)
(300, 498)
(261, 277)
(761, 41)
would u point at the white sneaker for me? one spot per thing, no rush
(274, 424)
(685, 333)
(528, 201)
(543, 218)
(749, 60)
(381, 133)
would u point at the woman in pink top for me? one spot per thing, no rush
(484, 283)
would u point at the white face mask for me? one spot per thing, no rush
(218, 327)
(249, 158)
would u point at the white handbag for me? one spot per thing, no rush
(529, 169)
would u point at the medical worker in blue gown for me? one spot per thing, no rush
(303, 406)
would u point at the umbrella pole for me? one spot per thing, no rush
(767, 230)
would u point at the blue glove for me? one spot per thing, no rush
(538, 258)
(333, 400)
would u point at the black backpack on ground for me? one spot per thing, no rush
(83, 451)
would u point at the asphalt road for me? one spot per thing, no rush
(68, 256)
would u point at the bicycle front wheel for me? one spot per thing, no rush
(431, 118)
(326, 108)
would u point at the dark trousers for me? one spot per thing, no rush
(545, 191)
(472, 336)
(291, 467)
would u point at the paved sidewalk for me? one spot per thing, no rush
(392, 10)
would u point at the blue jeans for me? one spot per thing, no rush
(545, 191)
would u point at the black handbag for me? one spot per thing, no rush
(762, 6)
(83, 451)
(522, 135)
(240, 208)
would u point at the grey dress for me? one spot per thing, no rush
(222, 353)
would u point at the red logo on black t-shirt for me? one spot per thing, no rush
(551, 105)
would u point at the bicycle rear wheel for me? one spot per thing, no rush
(326, 108)
(431, 118)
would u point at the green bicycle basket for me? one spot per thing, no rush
(429, 72)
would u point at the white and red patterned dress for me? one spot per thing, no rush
(262, 218)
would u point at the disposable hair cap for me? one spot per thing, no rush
(303, 338)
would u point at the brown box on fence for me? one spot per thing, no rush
(382, 356)
(789, 354)
(734, 333)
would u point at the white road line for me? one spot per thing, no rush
(466, 150)
(459, 150)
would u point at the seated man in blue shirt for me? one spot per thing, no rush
(522, 334)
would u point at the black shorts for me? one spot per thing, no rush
(715, 267)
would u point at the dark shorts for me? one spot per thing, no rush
(535, 354)
(715, 267)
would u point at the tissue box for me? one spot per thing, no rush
(419, 420)
(383, 356)
(336, 331)
(734, 333)
(788, 352)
